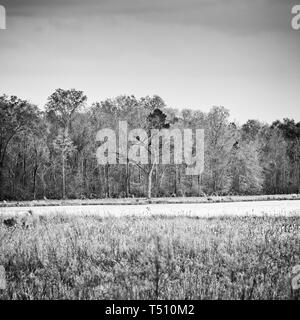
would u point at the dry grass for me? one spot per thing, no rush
(155, 257)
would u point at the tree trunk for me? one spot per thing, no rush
(199, 185)
(127, 179)
(42, 177)
(107, 180)
(175, 181)
(149, 186)
(24, 165)
(82, 176)
(1, 182)
(34, 182)
(63, 177)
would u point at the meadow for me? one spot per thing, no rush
(59, 256)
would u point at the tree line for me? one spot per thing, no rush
(51, 153)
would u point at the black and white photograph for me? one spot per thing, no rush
(149, 151)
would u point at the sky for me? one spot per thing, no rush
(240, 54)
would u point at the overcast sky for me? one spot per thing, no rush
(241, 54)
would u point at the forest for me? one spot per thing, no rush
(50, 152)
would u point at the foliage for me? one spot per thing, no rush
(252, 158)
(16, 117)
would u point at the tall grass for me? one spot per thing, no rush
(63, 257)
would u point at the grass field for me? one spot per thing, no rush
(154, 257)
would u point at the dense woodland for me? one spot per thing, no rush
(51, 153)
